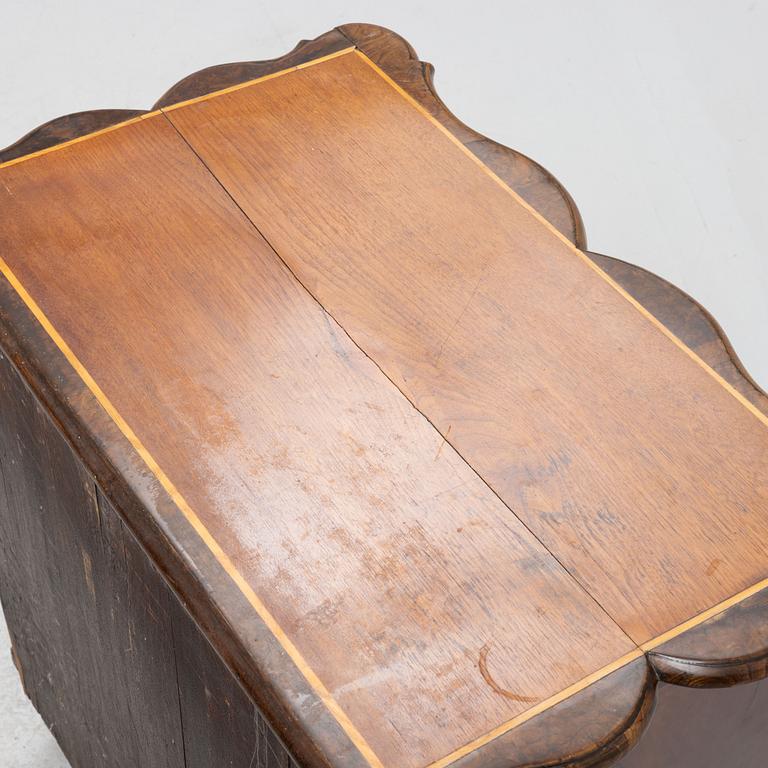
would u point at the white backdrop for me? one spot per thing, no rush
(652, 114)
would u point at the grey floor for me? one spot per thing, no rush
(25, 742)
(652, 114)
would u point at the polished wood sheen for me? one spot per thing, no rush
(385, 560)
(323, 447)
(601, 434)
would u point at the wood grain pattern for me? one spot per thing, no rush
(534, 184)
(66, 128)
(681, 313)
(110, 659)
(52, 546)
(175, 551)
(604, 438)
(592, 728)
(226, 75)
(688, 320)
(294, 450)
(222, 727)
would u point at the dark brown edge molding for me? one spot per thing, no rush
(537, 186)
(728, 649)
(312, 735)
(66, 128)
(221, 76)
(594, 727)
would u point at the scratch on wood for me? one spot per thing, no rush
(88, 572)
(483, 665)
(256, 744)
(442, 444)
(459, 317)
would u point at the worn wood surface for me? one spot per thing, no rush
(594, 727)
(728, 649)
(117, 669)
(606, 439)
(175, 548)
(295, 451)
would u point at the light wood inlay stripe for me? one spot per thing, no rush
(77, 140)
(261, 79)
(705, 615)
(566, 693)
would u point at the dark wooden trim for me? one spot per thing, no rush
(221, 76)
(595, 727)
(66, 128)
(728, 649)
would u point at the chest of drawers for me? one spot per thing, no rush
(325, 442)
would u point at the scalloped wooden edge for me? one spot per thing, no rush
(698, 658)
(533, 731)
(536, 185)
(531, 181)
(619, 270)
(61, 130)
(416, 78)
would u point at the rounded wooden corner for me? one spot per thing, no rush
(537, 186)
(729, 649)
(592, 728)
(219, 76)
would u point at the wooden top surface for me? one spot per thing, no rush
(629, 460)
(383, 559)
(375, 390)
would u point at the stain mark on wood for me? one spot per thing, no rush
(483, 666)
